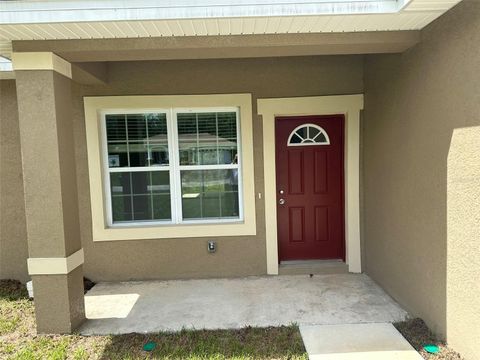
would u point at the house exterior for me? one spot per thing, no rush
(343, 130)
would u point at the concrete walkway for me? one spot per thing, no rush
(356, 342)
(151, 306)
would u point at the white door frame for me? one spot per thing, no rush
(348, 105)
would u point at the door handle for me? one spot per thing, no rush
(281, 201)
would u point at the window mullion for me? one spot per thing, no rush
(209, 167)
(198, 141)
(126, 138)
(130, 173)
(131, 195)
(175, 171)
(216, 130)
(151, 193)
(149, 155)
(139, 168)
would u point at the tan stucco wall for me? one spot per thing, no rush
(44, 105)
(65, 309)
(421, 231)
(188, 258)
(463, 248)
(50, 190)
(13, 235)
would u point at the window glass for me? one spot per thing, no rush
(308, 134)
(302, 133)
(207, 138)
(209, 193)
(140, 196)
(187, 138)
(139, 167)
(227, 137)
(136, 140)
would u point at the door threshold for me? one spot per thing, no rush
(317, 267)
(315, 261)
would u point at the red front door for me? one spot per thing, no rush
(310, 187)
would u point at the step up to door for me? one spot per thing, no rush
(356, 342)
(317, 267)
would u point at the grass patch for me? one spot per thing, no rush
(14, 303)
(418, 334)
(18, 339)
(248, 343)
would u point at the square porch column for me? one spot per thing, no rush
(55, 261)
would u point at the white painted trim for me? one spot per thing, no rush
(177, 168)
(58, 11)
(55, 266)
(173, 167)
(228, 227)
(41, 61)
(348, 105)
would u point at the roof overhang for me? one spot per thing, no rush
(118, 19)
(26, 12)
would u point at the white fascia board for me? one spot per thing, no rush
(28, 12)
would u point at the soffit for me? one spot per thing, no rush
(110, 19)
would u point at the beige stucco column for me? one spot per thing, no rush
(51, 202)
(463, 240)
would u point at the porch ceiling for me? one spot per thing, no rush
(110, 19)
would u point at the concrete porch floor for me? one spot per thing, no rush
(152, 306)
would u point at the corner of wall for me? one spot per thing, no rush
(13, 233)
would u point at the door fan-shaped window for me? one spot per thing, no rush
(308, 134)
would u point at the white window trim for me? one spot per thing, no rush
(107, 170)
(348, 105)
(173, 167)
(207, 167)
(102, 227)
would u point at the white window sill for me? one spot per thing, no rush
(172, 231)
(142, 224)
(102, 232)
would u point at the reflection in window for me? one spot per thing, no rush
(209, 193)
(136, 140)
(207, 138)
(138, 196)
(140, 171)
(308, 134)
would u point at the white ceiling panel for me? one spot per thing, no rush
(248, 25)
(224, 26)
